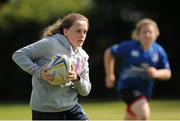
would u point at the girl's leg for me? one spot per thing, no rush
(76, 113)
(36, 115)
(129, 116)
(139, 109)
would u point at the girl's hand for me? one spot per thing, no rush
(44, 74)
(72, 75)
(152, 72)
(110, 81)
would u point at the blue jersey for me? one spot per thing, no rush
(135, 60)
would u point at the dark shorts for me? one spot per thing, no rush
(131, 95)
(76, 113)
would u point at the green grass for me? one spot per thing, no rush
(107, 110)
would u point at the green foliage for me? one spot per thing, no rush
(40, 11)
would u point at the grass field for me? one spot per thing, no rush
(100, 110)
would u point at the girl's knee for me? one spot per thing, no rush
(141, 109)
(143, 115)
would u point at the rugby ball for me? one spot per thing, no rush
(59, 68)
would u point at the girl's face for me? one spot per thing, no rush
(147, 34)
(76, 34)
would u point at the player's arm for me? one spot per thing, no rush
(162, 74)
(24, 57)
(72, 76)
(44, 75)
(109, 61)
(82, 81)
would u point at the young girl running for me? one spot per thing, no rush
(144, 60)
(50, 102)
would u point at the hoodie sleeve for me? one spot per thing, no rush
(26, 57)
(83, 86)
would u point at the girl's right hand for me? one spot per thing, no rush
(110, 81)
(44, 74)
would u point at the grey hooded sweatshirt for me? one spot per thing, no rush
(46, 97)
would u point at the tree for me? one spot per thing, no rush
(38, 11)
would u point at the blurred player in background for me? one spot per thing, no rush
(49, 102)
(144, 61)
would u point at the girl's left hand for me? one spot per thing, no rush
(72, 75)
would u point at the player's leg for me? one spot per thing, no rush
(128, 97)
(140, 109)
(76, 113)
(129, 116)
(137, 104)
(36, 115)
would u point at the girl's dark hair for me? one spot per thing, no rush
(66, 23)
